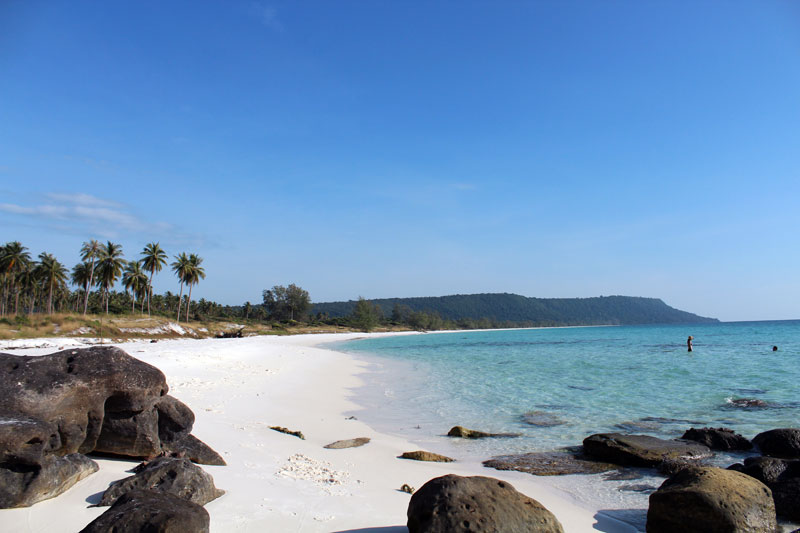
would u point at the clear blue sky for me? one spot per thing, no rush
(551, 149)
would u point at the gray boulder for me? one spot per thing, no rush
(464, 433)
(349, 443)
(22, 485)
(783, 442)
(718, 438)
(455, 504)
(711, 500)
(640, 450)
(176, 476)
(141, 511)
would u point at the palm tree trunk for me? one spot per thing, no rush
(16, 298)
(189, 303)
(50, 299)
(180, 300)
(149, 292)
(107, 298)
(86, 297)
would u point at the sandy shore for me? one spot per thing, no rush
(237, 389)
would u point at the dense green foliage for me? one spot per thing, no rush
(490, 310)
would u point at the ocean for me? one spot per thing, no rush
(556, 386)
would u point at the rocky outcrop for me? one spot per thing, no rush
(710, 500)
(464, 433)
(549, 464)
(146, 510)
(718, 438)
(349, 443)
(782, 476)
(640, 450)
(77, 401)
(175, 476)
(420, 455)
(455, 504)
(784, 442)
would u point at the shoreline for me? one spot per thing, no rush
(237, 388)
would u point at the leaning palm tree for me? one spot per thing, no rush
(13, 259)
(109, 267)
(193, 277)
(89, 251)
(134, 280)
(53, 274)
(181, 266)
(153, 259)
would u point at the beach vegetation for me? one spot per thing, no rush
(286, 303)
(366, 315)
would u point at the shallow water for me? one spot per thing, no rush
(555, 387)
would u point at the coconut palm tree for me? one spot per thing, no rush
(134, 280)
(13, 259)
(109, 267)
(28, 281)
(53, 275)
(81, 276)
(193, 277)
(153, 259)
(181, 266)
(89, 251)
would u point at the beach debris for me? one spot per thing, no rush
(782, 442)
(176, 476)
(711, 499)
(640, 450)
(349, 443)
(454, 503)
(236, 334)
(351, 418)
(405, 487)
(321, 473)
(148, 510)
(541, 419)
(782, 476)
(549, 463)
(420, 455)
(718, 438)
(464, 433)
(298, 434)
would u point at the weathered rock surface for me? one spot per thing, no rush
(176, 476)
(149, 511)
(193, 448)
(420, 455)
(640, 450)
(22, 485)
(455, 504)
(711, 500)
(784, 442)
(549, 464)
(718, 438)
(782, 476)
(349, 443)
(464, 433)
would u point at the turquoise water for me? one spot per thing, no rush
(579, 381)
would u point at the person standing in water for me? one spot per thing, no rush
(689, 343)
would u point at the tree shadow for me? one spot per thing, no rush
(387, 529)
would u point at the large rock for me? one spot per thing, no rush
(711, 500)
(421, 455)
(723, 439)
(176, 476)
(22, 485)
(148, 511)
(549, 464)
(455, 504)
(784, 442)
(782, 476)
(195, 449)
(640, 450)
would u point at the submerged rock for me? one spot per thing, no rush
(746, 403)
(640, 450)
(455, 504)
(349, 443)
(464, 433)
(149, 511)
(718, 438)
(783, 442)
(549, 464)
(711, 500)
(426, 456)
(541, 419)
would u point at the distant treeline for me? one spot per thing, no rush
(513, 310)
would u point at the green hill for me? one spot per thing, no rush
(532, 311)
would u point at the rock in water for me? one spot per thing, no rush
(718, 438)
(149, 511)
(782, 476)
(420, 455)
(640, 450)
(784, 442)
(455, 504)
(464, 433)
(541, 419)
(710, 500)
(548, 464)
(349, 443)
(175, 476)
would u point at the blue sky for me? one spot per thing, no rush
(551, 149)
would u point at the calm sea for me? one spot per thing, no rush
(556, 386)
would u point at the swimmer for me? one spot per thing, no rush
(689, 343)
(774, 348)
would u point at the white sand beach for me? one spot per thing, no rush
(237, 389)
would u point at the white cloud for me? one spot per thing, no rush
(81, 199)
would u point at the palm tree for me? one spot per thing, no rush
(109, 267)
(53, 274)
(181, 267)
(13, 259)
(193, 277)
(28, 283)
(153, 259)
(82, 276)
(89, 250)
(134, 279)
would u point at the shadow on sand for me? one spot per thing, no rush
(621, 520)
(389, 529)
